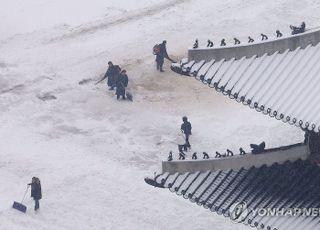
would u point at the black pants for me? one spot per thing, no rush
(160, 66)
(36, 205)
(187, 145)
(123, 96)
(180, 148)
(121, 91)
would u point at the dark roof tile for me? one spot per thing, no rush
(292, 184)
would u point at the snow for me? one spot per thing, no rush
(92, 152)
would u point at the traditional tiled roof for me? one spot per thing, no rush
(283, 85)
(290, 185)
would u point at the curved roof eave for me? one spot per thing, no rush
(284, 85)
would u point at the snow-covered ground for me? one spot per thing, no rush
(92, 152)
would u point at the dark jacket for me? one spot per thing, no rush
(111, 74)
(36, 190)
(121, 84)
(162, 54)
(186, 127)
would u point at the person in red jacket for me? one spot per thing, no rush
(161, 55)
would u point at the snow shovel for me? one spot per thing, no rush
(19, 206)
(99, 81)
(173, 61)
(129, 96)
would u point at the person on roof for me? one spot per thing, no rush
(186, 129)
(161, 55)
(36, 193)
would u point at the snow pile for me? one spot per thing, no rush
(92, 152)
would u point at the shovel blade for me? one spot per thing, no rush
(129, 96)
(19, 206)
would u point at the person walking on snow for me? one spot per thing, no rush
(161, 55)
(36, 193)
(186, 128)
(121, 84)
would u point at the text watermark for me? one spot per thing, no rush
(240, 211)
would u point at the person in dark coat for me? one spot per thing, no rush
(112, 74)
(161, 56)
(121, 84)
(186, 128)
(36, 193)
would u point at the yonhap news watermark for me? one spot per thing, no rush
(239, 211)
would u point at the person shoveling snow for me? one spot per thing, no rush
(112, 74)
(35, 193)
(160, 50)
